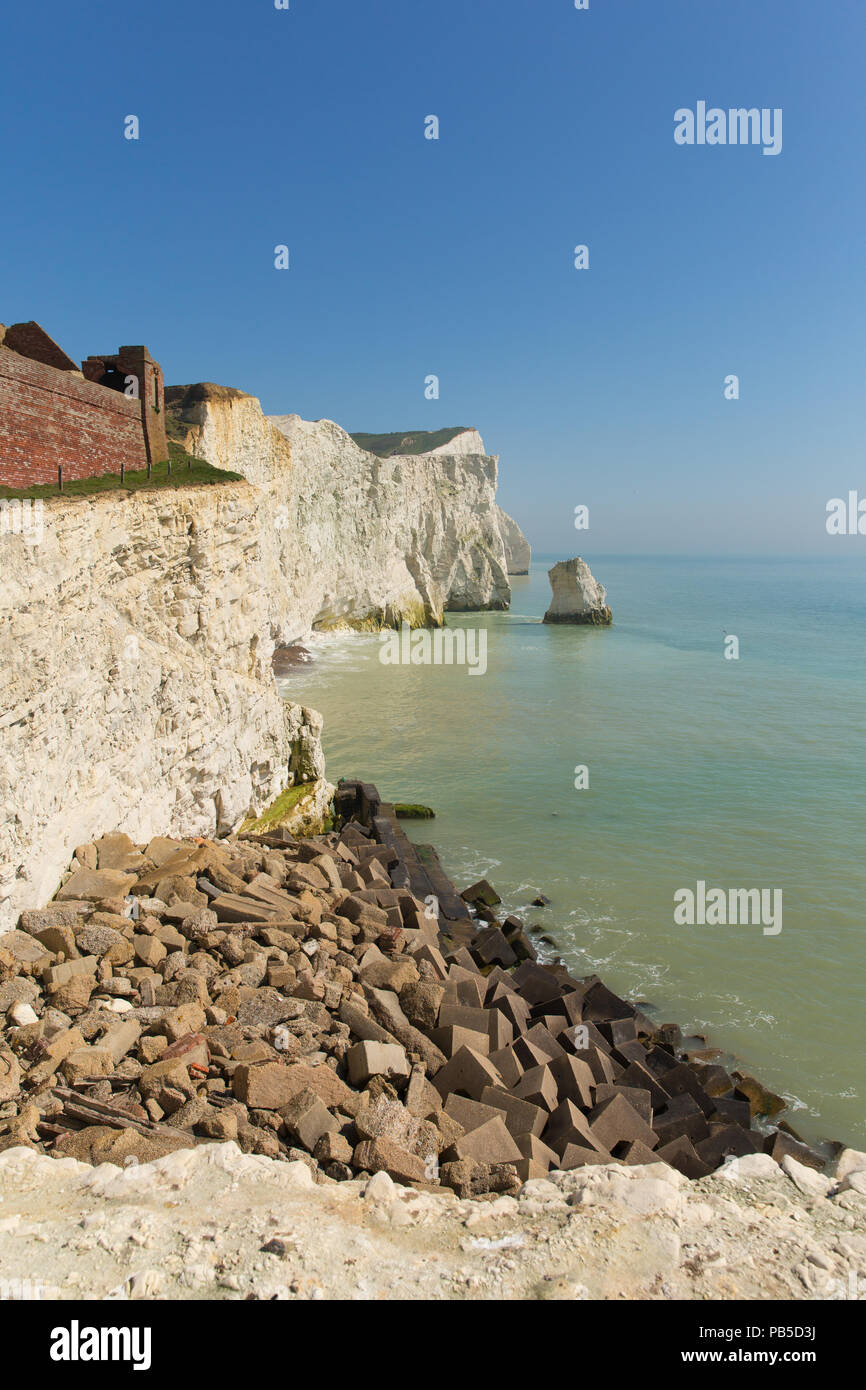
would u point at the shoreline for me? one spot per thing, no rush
(481, 1067)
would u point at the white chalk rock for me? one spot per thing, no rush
(641, 1196)
(518, 554)
(21, 1014)
(806, 1180)
(380, 1188)
(577, 596)
(850, 1161)
(747, 1167)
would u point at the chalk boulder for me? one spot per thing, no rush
(577, 596)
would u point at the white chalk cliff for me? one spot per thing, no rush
(136, 638)
(136, 687)
(359, 540)
(517, 549)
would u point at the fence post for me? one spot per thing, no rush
(60, 477)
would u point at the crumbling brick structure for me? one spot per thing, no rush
(108, 417)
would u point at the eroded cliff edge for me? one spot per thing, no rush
(358, 539)
(136, 688)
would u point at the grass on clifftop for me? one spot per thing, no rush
(186, 471)
(408, 442)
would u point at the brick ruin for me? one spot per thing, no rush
(106, 417)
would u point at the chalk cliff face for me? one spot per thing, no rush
(136, 689)
(137, 637)
(464, 444)
(359, 541)
(517, 550)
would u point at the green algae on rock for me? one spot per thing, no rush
(305, 809)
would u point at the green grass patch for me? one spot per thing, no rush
(406, 442)
(186, 471)
(277, 811)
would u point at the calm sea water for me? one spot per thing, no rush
(746, 774)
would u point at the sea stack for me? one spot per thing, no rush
(577, 596)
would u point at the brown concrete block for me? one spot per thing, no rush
(307, 1119)
(500, 1030)
(468, 1072)
(633, 1152)
(538, 1087)
(537, 1159)
(507, 1063)
(498, 976)
(541, 1038)
(537, 984)
(491, 947)
(733, 1110)
(681, 1154)
(469, 987)
(628, 1052)
(520, 943)
(659, 1060)
(556, 1024)
(726, 1142)
(638, 1098)
(463, 1016)
(578, 1156)
(530, 1055)
(616, 1122)
(264, 1085)
(601, 1005)
(515, 1009)
(642, 1080)
(780, 1145)
(681, 1080)
(619, 1031)
(450, 1040)
(568, 1125)
(383, 1155)
(569, 1006)
(460, 955)
(601, 1066)
(470, 1114)
(434, 957)
(714, 1079)
(488, 1143)
(421, 1098)
(574, 1081)
(521, 1117)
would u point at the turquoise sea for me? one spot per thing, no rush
(742, 773)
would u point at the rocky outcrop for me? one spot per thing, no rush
(135, 678)
(518, 554)
(577, 596)
(356, 540)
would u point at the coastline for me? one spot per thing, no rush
(408, 982)
(290, 1203)
(697, 770)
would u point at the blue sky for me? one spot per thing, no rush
(410, 257)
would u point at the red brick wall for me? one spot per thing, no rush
(49, 417)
